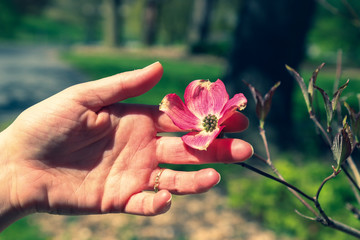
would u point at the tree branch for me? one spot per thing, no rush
(316, 198)
(265, 174)
(274, 169)
(319, 126)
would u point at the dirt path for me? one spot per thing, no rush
(202, 217)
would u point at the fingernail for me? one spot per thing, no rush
(218, 180)
(149, 66)
(169, 201)
(167, 206)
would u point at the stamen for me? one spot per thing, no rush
(210, 123)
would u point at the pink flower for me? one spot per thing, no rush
(206, 108)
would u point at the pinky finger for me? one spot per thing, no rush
(148, 203)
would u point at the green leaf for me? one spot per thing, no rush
(312, 82)
(347, 129)
(302, 85)
(354, 121)
(328, 106)
(337, 149)
(342, 145)
(337, 94)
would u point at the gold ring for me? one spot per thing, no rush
(157, 180)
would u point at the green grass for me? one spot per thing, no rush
(23, 229)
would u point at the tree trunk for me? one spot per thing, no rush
(270, 34)
(200, 26)
(113, 23)
(150, 24)
(90, 16)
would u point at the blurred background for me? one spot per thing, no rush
(48, 45)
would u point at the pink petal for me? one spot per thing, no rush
(201, 140)
(203, 97)
(239, 102)
(174, 107)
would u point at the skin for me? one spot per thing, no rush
(82, 152)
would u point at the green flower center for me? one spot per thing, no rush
(210, 122)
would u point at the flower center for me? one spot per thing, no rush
(210, 123)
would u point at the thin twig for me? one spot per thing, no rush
(355, 17)
(344, 228)
(336, 84)
(274, 169)
(268, 159)
(319, 126)
(338, 70)
(316, 198)
(333, 224)
(344, 168)
(265, 174)
(329, 7)
(328, 221)
(260, 157)
(332, 9)
(354, 186)
(307, 217)
(355, 170)
(354, 210)
(319, 218)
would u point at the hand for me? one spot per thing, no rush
(81, 152)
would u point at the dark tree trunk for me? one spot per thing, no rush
(200, 25)
(270, 34)
(150, 24)
(113, 23)
(90, 16)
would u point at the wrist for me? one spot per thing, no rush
(9, 213)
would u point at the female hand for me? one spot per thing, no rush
(81, 152)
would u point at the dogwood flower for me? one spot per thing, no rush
(207, 106)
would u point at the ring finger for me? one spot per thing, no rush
(178, 182)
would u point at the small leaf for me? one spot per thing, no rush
(347, 129)
(356, 128)
(328, 106)
(316, 72)
(354, 121)
(263, 105)
(259, 101)
(341, 146)
(337, 94)
(312, 83)
(268, 98)
(255, 93)
(302, 85)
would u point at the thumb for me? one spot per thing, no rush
(109, 90)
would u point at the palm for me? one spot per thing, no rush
(92, 158)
